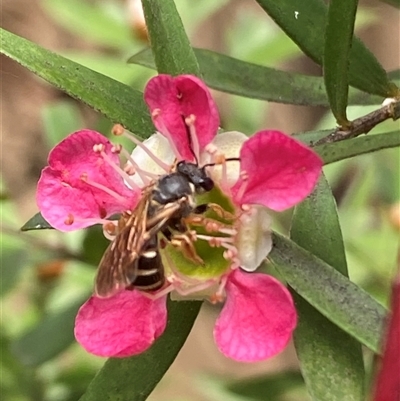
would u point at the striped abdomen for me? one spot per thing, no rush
(149, 267)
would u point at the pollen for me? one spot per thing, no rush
(190, 120)
(69, 220)
(129, 169)
(211, 149)
(116, 149)
(117, 130)
(216, 298)
(244, 175)
(98, 148)
(155, 113)
(84, 177)
(110, 228)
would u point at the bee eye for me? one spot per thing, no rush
(207, 184)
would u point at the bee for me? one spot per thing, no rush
(133, 260)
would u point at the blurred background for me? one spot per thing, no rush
(46, 275)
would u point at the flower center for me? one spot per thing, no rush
(213, 235)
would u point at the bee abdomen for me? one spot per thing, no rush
(150, 269)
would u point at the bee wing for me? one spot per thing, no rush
(118, 266)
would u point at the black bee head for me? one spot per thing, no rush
(197, 176)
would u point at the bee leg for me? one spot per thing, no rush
(210, 225)
(220, 211)
(217, 209)
(185, 243)
(167, 234)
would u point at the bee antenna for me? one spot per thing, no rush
(230, 159)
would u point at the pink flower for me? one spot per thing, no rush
(84, 185)
(387, 386)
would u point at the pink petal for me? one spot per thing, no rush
(281, 171)
(126, 324)
(176, 98)
(61, 193)
(258, 317)
(387, 387)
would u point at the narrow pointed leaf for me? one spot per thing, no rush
(120, 103)
(338, 41)
(169, 42)
(311, 137)
(331, 293)
(50, 337)
(272, 387)
(134, 378)
(331, 360)
(341, 150)
(305, 21)
(238, 77)
(37, 222)
(91, 21)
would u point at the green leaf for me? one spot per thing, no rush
(13, 260)
(327, 290)
(341, 150)
(134, 378)
(310, 137)
(315, 227)
(304, 22)
(37, 222)
(17, 382)
(169, 42)
(50, 337)
(90, 21)
(394, 74)
(109, 65)
(120, 103)
(394, 3)
(94, 244)
(60, 119)
(241, 78)
(331, 361)
(338, 41)
(271, 388)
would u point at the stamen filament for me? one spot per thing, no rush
(229, 247)
(219, 294)
(92, 220)
(228, 231)
(189, 121)
(143, 176)
(211, 238)
(153, 157)
(159, 294)
(243, 185)
(119, 170)
(136, 166)
(102, 187)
